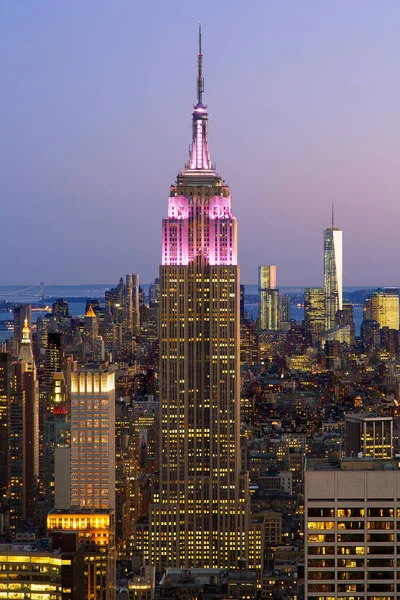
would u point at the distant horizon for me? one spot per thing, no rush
(114, 284)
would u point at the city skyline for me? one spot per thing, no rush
(70, 136)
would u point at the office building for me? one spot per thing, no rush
(41, 570)
(269, 313)
(96, 531)
(314, 311)
(369, 435)
(284, 311)
(136, 304)
(57, 434)
(53, 359)
(266, 277)
(383, 308)
(23, 436)
(60, 308)
(345, 318)
(154, 292)
(269, 308)
(93, 439)
(198, 516)
(351, 529)
(333, 273)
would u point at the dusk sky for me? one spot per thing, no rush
(95, 123)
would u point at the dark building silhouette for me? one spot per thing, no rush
(4, 397)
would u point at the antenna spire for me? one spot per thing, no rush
(333, 214)
(200, 79)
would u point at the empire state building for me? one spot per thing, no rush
(199, 512)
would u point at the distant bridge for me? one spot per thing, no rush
(36, 291)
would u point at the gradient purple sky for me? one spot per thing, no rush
(96, 101)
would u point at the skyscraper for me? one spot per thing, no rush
(23, 433)
(4, 427)
(269, 313)
(351, 529)
(333, 273)
(93, 439)
(198, 516)
(314, 311)
(57, 433)
(383, 307)
(284, 311)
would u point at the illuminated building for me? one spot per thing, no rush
(383, 307)
(351, 528)
(53, 359)
(333, 273)
(154, 292)
(58, 429)
(141, 587)
(60, 308)
(95, 529)
(125, 464)
(30, 571)
(242, 299)
(90, 331)
(22, 312)
(210, 584)
(371, 435)
(136, 304)
(53, 364)
(128, 307)
(23, 441)
(284, 311)
(345, 318)
(122, 316)
(269, 313)
(198, 516)
(314, 311)
(4, 427)
(93, 439)
(266, 277)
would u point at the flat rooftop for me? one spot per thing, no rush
(352, 464)
(366, 417)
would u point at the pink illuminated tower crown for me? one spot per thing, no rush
(200, 220)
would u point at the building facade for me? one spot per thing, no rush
(198, 516)
(351, 529)
(383, 307)
(269, 308)
(333, 274)
(314, 311)
(368, 434)
(96, 530)
(93, 439)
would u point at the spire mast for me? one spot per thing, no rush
(333, 214)
(200, 80)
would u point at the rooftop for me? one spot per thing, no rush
(366, 417)
(352, 464)
(77, 510)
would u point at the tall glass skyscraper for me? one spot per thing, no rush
(333, 273)
(199, 512)
(268, 298)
